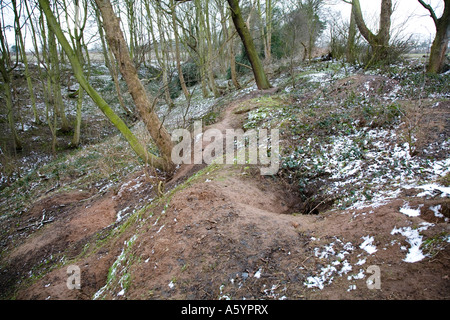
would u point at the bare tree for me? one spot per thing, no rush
(19, 36)
(260, 76)
(80, 19)
(5, 71)
(140, 150)
(440, 43)
(310, 9)
(177, 49)
(118, 45)
(379, 42)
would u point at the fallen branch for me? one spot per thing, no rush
(38, 225)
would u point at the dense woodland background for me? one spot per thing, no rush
(178, 44)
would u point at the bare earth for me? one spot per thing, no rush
(227, 233)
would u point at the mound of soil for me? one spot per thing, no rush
(229, 238)
(230, 233)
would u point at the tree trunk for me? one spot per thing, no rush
(56, 81)
(438, 50)
(202, 49)
(209, 67)
(378, 42)
(384, 34)
(117, 43)
(161, 42)
(110, 63)
(164, 61)
(77, 129)
(140, 150)
(51, 122)
(25, 62)
(260, 76)
(268, 38)
(9, 105)
(77, 40)
(234, 79)
(350, 52)
(177, 51)
(439, 47)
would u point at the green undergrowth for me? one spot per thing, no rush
(99, 166)
(351, 145)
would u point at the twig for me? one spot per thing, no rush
(35, 224)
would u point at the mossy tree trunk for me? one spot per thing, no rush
(379, 42)
(80, 19)
(231, 35)
(118, 45)
(258, 71)
(56, 81)
(110, 62)
(351, 41)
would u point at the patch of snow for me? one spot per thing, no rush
(223, 296)
(357, 276)
(431, 188)
(410, 212)
(319, 281)
(367, 245)
(335, 268)
(328, 250)
(436, 211)
(159, 230)
(121, 214)
(361, 262)
(317, 77)
(414, 238)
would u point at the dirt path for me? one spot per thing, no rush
(231, 233)
(72, 220)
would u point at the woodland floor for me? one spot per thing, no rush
(226, 232)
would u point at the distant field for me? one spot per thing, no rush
(417, 55)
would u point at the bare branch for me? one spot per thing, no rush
(430, 9)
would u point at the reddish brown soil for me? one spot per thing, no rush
(229, 233)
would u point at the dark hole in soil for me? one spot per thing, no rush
(308, 200)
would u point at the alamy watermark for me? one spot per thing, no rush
(258, 147)
(374, 281)
(73, 277)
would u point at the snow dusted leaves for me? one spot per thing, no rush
(413, 236)
(430, 189)
(368, 167)
(336, 251)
